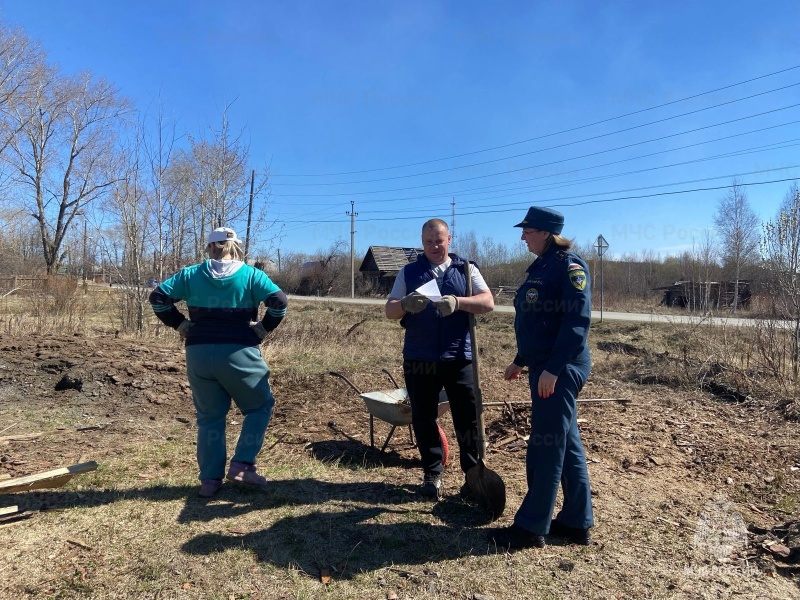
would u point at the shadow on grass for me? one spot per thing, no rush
(351, 542)
(348, 528)
(358, 455)
(236, 500)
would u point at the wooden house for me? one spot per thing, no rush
(382, 263)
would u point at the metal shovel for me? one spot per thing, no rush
(484, 484)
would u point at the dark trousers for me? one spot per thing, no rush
(556, 457)
(424, 381)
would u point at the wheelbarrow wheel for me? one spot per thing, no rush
(445, 446)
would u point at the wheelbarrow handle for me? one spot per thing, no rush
(340, 376)
(394, 383)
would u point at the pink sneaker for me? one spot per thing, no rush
(244, 473)
(209, 487)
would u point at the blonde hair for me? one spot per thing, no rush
(230, 248)
(434, 224)
(559, 241)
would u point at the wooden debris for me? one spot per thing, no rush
(90, 427)
(506, 440)
(78, 543)
(528, 402)
(5, 476)
(663, 520)
(637, 469)
(10, 520)
(48, 479)
(778, 550)
(9, 510)
(656, 460)
(238, 530)
(20, 437)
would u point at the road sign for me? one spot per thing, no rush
(601, 245)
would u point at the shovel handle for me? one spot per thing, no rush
(475, 372)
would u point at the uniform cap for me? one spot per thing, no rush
(543, 219)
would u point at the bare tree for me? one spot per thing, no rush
(738, 228)
(133, 208)
(705, 253)
(221, 180)
(62, 149)
(781, 250)
(158, 148)
(21, 63)
(325, 269)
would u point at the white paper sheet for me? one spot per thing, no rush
(430, 290)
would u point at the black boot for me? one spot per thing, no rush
(573, 534)
(515, 537)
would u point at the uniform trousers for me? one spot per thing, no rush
(556, 457)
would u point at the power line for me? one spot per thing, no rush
(479, 190)
(707, 189)
(546, 135)
(416, 187)
(603, 177)
(777, 145)
(549, 202)
(556, 147)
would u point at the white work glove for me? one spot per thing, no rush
(447, 305)
(414, 302)
(183, 328)
(258, 329)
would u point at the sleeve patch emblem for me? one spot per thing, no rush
(574, 266)
(578, 279)
(532, 295)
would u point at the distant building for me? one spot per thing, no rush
(382, 263)
(263, 264)
(704, 295)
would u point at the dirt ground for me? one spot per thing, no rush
(693, 496)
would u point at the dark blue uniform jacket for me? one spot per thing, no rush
(553, 312)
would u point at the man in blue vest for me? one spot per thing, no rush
(437, 351)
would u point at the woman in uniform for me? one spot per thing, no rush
(553, 312)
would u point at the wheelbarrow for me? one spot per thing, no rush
(394, 408)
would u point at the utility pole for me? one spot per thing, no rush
(353, 214)
(453, 222)
(279, 260)
(249, 214)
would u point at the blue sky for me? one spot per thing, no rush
(352, 92)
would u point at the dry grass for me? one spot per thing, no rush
(135, 528)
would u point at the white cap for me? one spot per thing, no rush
(223, 234)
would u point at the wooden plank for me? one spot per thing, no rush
(48, 479)
(9, 510)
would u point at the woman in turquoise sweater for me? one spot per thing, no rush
(223, 360)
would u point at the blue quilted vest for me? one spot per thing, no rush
(430, 336)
